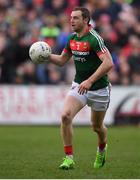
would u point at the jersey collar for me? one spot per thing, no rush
(87, 30)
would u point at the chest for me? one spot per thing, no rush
(80, 46)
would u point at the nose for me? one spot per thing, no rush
(71, 20)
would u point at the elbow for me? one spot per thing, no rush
(61, 64)
(111, 66)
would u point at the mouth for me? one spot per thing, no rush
(73, 25)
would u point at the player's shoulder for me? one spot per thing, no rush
(95, 37)
(72, 35)
(94, 34)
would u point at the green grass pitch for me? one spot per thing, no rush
(36, 152)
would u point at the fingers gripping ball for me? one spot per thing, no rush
(39, 52)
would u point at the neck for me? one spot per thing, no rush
(83, 31)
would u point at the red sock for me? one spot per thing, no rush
(102, 146)
(68, 150)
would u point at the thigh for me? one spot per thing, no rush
(99, 100)
(97, 117)
(72, 106)
(74, 92)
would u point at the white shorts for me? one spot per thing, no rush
(98, 100)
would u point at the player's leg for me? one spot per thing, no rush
(97, 118)
(72, 106)
(99, 101)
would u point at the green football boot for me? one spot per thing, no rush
(100, 158)
(68, 163)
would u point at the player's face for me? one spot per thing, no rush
(77, 21)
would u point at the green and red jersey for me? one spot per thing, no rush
(85, 51)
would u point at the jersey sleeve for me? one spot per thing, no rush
(98, 44)
(67, 49)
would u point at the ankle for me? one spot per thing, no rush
(69, 156)
(101, 147)
(68, 151)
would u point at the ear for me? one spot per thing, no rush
(86, 20)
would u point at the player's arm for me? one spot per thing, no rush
(59, 60)
(66, 54)
(107, 63)
(104, 68)
(104, 55)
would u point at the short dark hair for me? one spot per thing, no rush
(85, 12)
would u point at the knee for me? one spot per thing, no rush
(96, 128)
(66, 118)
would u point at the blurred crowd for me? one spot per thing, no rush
(23, 22)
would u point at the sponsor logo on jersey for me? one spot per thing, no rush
(79, 46)
(80, 59)
(80, 53)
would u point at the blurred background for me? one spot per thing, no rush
(34, 94)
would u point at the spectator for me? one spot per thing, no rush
(24, 22)
(49, 31)
(134, 63)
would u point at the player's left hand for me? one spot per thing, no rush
(84, 86)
